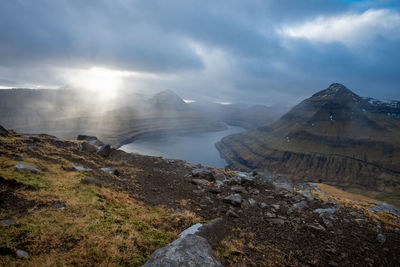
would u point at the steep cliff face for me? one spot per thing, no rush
(335, 136)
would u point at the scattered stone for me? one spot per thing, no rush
(203, 173)
(214, 190)
(198, 191)
(26, 168)
(263, 205)
(191, 250)
(81, 169)
(326, 211)
(86, 137)
(381, 238)
(252, 202)
(91, 180)
(254, 191)
(316, 226)
(110, 171)
(232, 214)
(277, 221)
(270, 215)
(3, 131)
(238, 189)
(104, 150)
(22, 254)
(244, 178)
(87, 147)
(220, 176)
(199, 182)
(300, 205)
(59, 206)
(276, 206)
(7, 222)
(234, 199)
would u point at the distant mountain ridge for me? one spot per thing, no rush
(335, 136)
(66, 113)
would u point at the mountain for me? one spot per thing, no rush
(248, 117)
(335, 137)
(66, 113)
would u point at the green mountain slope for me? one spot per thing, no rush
(335, 136)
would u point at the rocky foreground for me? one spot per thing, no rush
(81, 202)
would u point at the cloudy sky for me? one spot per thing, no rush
(255, 51)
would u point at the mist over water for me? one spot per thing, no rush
(195, 148)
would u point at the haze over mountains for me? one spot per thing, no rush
(335, 136)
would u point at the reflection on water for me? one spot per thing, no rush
(196, 148)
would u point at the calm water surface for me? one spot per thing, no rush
(196, 148)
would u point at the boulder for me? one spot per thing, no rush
(110, 171)
(213, 231)
(91, 180)
(96, 142)
(191, 230)
(87, 147)
(3, 131)
(81, 169)
(203, 173)
(7, 222)
(234, 199)
(252, 202)
(104, 150)
(191, 250)
(86, 137)
(220, 176)
(22, 254)
(26, 168)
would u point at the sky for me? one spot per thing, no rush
(249, 51)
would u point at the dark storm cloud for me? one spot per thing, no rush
(226, 50)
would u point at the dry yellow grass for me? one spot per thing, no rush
(343, 194)
(100, 226)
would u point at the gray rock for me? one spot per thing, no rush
(104, 150)
(96, 143)
(326, 211)
(86, 137)
(316, 227)
(7, 222)
(220, 176)
(198, 191)
(233, 214)
(81, 169)
(59, 206)
(238, 189)
(199, 182)
(191, 250)
(110, 171)
(214, 190)
(381, 238)
(276, 206)
(277, 221)
(91, 180)
(22, 254)
(191, 230)
(203, 173)
(263, 205)
(26, 168)
(252, 202)
(3, 131)
(254, 191)
(244, 178)
(300, 205)
(87, 147)
(213, 231)
(270, 215)
(234, 199)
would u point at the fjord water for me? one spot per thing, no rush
(195, 148)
